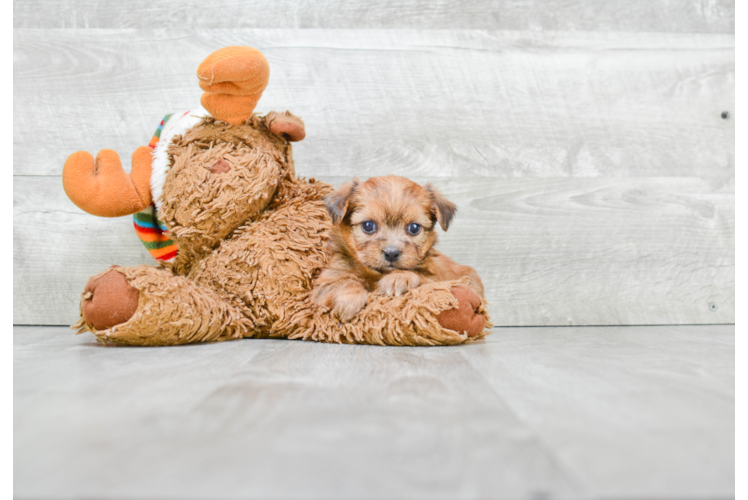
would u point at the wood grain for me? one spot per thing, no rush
(696, 16)
(594, 172)
(56, 246)
(430, 103)
(598, 251)
(550, 251)
(739, 202)
(739, 176)
(615, 412)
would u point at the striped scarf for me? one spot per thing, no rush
(151, 231)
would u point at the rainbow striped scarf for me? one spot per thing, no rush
(151, 231)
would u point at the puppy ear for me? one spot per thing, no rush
(444, 209)
(337, 201)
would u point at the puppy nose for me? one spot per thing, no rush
(391, 254)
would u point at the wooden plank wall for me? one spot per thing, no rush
(739, 150)
(583, 141)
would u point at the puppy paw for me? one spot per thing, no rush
(397, 283)
(347, 305)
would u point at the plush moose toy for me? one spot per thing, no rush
(239, 238)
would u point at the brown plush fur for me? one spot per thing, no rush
(251, 242)
(252, 238)
(252, 165)
(397, 253)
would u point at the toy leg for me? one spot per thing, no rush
(266, 266)
(146, 305)
(442, 313)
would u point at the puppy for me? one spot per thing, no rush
(383, 241)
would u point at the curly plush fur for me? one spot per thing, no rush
(252, 238)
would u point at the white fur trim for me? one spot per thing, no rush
(178, 124)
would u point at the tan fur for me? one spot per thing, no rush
(251, 242)
(358, 263)
(253, 237)
(257, 164)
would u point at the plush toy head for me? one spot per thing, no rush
(220, 177)
(212, 168)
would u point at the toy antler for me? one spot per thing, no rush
(233, 79)
(101, 187)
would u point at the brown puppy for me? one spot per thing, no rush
(383, 242)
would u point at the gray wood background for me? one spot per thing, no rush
(582, 141)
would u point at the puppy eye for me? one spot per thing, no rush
(414, 228)
(369, 226)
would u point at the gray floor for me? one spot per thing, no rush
(613, 412)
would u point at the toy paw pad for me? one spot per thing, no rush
(109, 300)
(463, 318)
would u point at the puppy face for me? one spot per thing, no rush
(387, 223)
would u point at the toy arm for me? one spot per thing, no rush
(101, 187)
(437, 313)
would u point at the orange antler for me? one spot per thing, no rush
(233, 79)
(102, 187)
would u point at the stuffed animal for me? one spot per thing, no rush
(238, 236)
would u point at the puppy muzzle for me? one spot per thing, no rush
(391, 254)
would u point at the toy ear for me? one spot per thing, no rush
(443, 208)
(286, 125)
(337, 201)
